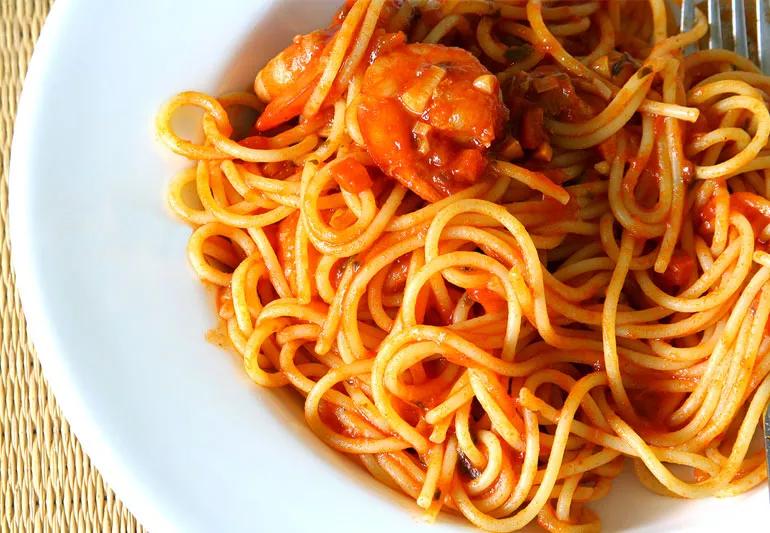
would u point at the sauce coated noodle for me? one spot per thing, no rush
(501, 249)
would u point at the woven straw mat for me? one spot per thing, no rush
(47, 483)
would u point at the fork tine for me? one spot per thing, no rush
(767, 435)
(687, 21)
(739, 28)
(715, 24)
(763, 35)
(687, 18)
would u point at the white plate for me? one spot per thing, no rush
(118, 318)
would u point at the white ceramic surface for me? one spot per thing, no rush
(118, 318)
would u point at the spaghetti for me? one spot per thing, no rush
(500, 248)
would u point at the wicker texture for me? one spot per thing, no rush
(47, 483)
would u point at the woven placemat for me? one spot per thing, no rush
(48, 483)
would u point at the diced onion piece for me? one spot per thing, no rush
(764, 235)
(544, 152)
(421, 128)
(417, 97)
(544, 84)
(486, 83)
(602, 168)
(511, 150)
(420, 132)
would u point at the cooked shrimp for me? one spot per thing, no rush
(287, 81)
(428, 114)
(284, 70)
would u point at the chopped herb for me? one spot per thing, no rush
(518, 53)
(466, 467)
(624, 60)
(617, 66)
(511, 40)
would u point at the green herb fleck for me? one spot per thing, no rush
(518, 53)
(624, 60)
(466, 467)
(509, 39)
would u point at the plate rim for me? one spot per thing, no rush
(40, 332)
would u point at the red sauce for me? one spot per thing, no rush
(658, 125)
(396, 277)
(679, 272)
(279, 170)
(754, 207)
(256, 142)
(254, 168)
(336, 273)
(489, 299)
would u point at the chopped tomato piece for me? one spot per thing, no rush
(255, 141)
(468, 165)
(532, 133)
(679, 272)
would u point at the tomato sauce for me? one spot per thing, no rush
(489, 300)
(680, 271)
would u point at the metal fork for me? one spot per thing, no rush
(739, 28)
(740, 46)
